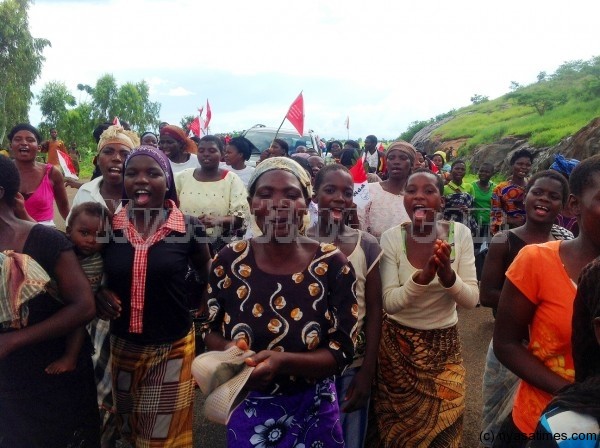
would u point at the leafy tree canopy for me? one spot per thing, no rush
(76, 122)
(21, 61)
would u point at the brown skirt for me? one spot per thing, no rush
(418, 398)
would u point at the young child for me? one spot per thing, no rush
(334, 191)
(86, 222)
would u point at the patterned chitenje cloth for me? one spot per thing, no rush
(307, 418)
(418, 398)
(153, 390)
(453, 210)
(21, 279)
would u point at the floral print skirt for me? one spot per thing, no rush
(306, 419)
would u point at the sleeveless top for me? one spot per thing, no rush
(40, 205)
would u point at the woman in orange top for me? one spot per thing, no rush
(537, 297)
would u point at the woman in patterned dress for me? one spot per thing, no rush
(292, 301)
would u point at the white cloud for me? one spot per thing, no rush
(384, 63)
(179, 91)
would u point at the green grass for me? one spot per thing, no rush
(496, 119)
(86, 166)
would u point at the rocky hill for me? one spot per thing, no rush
(559, 114)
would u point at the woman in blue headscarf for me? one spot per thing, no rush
(152, 338)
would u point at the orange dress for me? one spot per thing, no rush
(539, 274)
(53, 147)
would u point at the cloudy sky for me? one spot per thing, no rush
(383, 63)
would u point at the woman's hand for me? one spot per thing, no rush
(358, 393)
(427, 274)
(267, 364)
(19, 208)
(210, 221)
(445, 272)
(108, 305)
(70, 182)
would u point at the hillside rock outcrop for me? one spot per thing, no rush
(423, 139)
(585, 143)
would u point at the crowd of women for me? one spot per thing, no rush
(348, 319)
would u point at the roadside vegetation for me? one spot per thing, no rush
(545, 112)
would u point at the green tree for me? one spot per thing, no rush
(21, 62)
(103, 96)
(130, 102)
(54, 100)
(478, 99)
(539, 96)
(186, 121)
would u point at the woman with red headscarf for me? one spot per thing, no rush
(179, 148)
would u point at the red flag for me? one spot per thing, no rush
(361, 186)
(66, 164)
(347, 122)
(359, 174)
(208, 116)
(116, 122)
(194, 126)
(296, 114)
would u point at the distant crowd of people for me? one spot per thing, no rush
(345, 316)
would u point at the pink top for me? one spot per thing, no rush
(40, 205)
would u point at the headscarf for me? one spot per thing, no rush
(179, 134)
(162, 160)
(404, 147)
(564, 165)
(116, 134)
(286, 164)
(442, 154)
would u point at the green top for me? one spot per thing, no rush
(451, 188)
(482, 205)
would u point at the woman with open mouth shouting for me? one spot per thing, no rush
(41, 184)
(152, 337)
(545, 196)
(291, 300)
(427, 269)
(113, 148)
(334, 188)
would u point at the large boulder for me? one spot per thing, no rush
(498, 153)
(424, 140)
(582, 145)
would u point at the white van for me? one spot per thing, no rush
(262, 137)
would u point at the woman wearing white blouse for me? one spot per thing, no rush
(428, 267)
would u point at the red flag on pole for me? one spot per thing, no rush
(208, 116)
(194, 126)
(296, 114)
